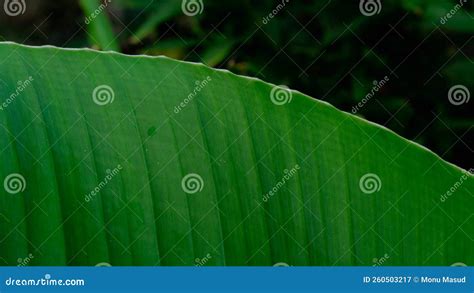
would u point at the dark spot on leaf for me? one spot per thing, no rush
(151, 131)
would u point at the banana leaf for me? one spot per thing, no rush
(120, 160)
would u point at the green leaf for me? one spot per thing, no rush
(217, 51)
(174, 48)
(452, 18)
(459, 71)
(99, 28)
(163, 11)
(450, 15)
(108, 158)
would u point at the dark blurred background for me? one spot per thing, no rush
(333, 50)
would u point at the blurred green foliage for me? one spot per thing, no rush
(326, 49)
